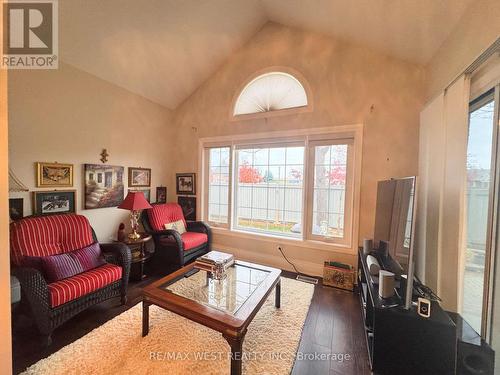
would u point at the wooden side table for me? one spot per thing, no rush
(140, 255)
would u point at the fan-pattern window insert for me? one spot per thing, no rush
(271, 92)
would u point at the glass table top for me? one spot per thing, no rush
(227, 295)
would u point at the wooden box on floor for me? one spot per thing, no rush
(338, 277)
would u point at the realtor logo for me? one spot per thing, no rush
(30, 35)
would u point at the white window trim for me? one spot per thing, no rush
(354, 132)
(349, 198)
(205, 190)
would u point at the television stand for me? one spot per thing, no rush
(400, 341)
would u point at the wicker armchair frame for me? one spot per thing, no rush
(169, 248)
(35, 292)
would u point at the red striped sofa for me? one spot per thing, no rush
(53, 303)
(172, 247)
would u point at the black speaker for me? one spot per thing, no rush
(383, 248)
(474, 355)
(475, 359)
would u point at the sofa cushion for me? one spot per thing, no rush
(48, 235)
(89, 257)
(162, 214)
(193, 239)
(61, 266)
(189, 240)
(84, 283)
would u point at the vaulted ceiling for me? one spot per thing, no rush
(164, 49)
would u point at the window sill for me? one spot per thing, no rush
(309, 243)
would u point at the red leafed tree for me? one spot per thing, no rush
(249, 175)
(337, 176)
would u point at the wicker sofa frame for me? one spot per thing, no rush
(35, 292)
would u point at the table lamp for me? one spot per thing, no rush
(134, 202)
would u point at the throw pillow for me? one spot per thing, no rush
(61, 266)
(176, 225)
(89, 257)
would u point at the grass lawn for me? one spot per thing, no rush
(266, 225)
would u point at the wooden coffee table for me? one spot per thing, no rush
(226, 306)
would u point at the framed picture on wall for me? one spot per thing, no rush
(139, 177)
(103, 185)
(161, 194)
(54, 202)
(186, 183)
(16, 208)
(188, 205)
(54, 175)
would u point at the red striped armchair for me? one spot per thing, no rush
(172, 247)
(61, 269)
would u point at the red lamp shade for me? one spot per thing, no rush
(134, 201)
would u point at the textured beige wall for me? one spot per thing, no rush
(69, 116)
(478, 28)
(5, 331)
(349, 85)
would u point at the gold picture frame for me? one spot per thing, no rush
(54, 175)
(139, 177)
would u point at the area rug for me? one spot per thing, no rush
(176, 345)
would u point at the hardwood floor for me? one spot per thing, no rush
(333, 328)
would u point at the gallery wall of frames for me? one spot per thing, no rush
(105, 186)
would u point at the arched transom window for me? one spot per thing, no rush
(270, 92)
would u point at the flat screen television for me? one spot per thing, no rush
(395, 224)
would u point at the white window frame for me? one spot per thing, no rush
(309, 137)
(205, 189)
(349, 193)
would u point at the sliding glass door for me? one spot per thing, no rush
(479, 197)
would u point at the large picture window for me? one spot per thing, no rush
(299, 187)
(269, 189)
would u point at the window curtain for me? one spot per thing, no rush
(441, 186)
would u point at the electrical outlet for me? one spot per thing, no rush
(424, 307)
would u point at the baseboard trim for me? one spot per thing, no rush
(271, 260)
